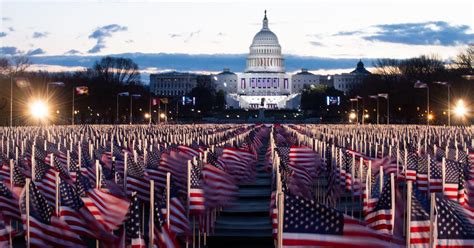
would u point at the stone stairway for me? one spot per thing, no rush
(247, 223)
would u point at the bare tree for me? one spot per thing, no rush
(387, 67)
(117, 70)
(4, 66)
(14, 66)
(465, 59)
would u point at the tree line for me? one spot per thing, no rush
(397, 77)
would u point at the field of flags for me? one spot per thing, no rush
(166, 185)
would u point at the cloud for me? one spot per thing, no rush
(348, 33)
(37, 51)
(6, 19)
(187, 36)
(421, 33)
(3, 34)
(191, 35)
(316, 43)
(72, 52)
(200, 62)
(129, 41)
(9, 50)
(39, 35)
(100, 34)
(172, 36)
(221, 34)
(11, 29)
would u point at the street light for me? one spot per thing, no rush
(420, 85)
(38, 109)
(352, 116)
(449, 99)
(460, 109)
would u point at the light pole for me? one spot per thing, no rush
(420, 85)
(377, 98)
(357, 107)
(131, 106)
(385, 95)
(448, 85)
(117, 109)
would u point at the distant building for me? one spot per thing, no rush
(173, 83)
(304, 79)
(264, 83)
(346, 82)
(226, 81)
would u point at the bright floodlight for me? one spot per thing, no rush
(147, 116)
(162, 115)
(460, 109)
(38, 109)
(352, 115)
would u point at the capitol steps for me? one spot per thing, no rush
(246, 222)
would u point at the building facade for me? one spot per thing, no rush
(304, 79)
(264, 83)
(346, 82)
(173, 83)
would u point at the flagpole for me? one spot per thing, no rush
(152, 213)
(149, 108)
(131, 109)
(73, 95)
(27, 192)
(432, 219)
(408, 224)
(117, 109)
(280, 219)
(377, 109)
(168, 190)
(11, 105)
(388, 110)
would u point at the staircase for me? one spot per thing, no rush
(247, 223)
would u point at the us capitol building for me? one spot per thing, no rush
(264, 83)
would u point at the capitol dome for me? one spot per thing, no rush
(265, 51)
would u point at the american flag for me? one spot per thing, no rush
(310, 224)
(194, 152)
(5, 231)
(8, 204)
(163, 237)
(419, 221)
(436, 177)
(179, 223)
(304, 160)
(46, 230)
(153, 170)
(214, 160)
(218, 186)
(196, 194)
(176, 163)
(133, 224)
(4, 170)
(70, 211)
(45, 179)
(451, 180)
(412, 166)
(453, 225)
(381, 217)
(370, 200)
(136, 180)
(239, 163)
(109, 210)
(422, 174)
(346, 171)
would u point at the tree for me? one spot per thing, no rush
(464, 61)
(117, 70)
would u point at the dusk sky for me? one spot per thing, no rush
(327, 29)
